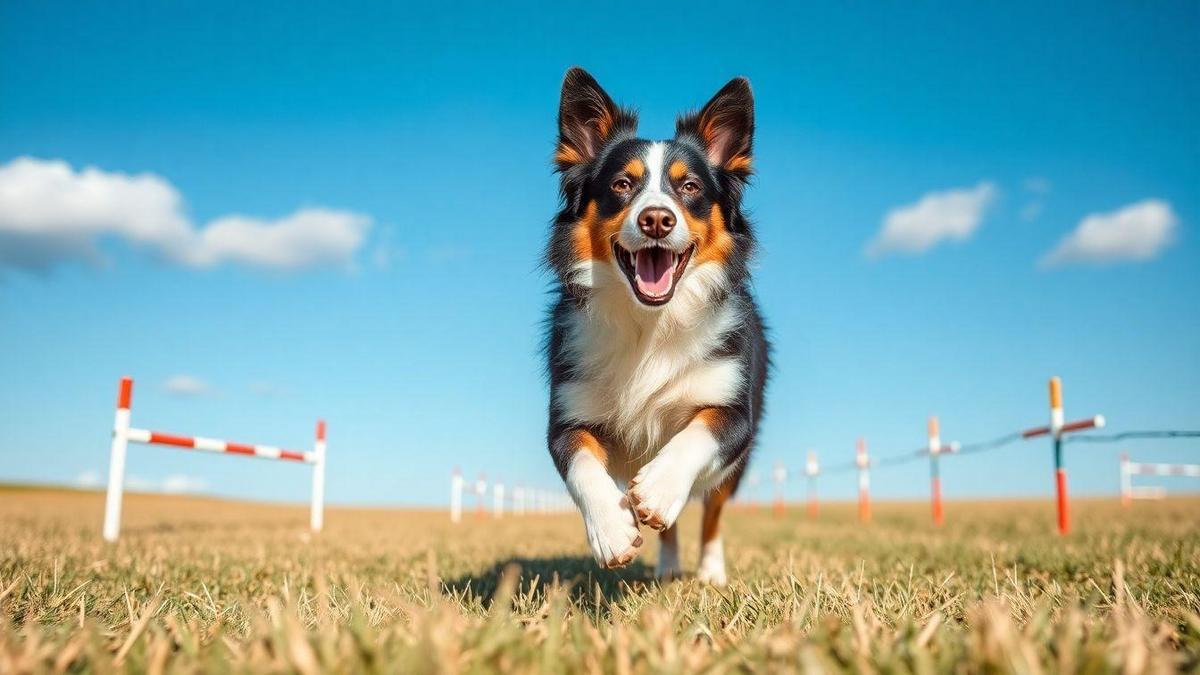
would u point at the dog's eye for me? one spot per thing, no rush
(690, 187)
(622, 185)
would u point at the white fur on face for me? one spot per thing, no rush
(652, 195)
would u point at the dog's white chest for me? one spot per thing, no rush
(642, 382)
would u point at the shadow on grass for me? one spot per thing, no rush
(579, 577)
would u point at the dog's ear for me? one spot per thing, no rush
(724, 127)
(587, 119)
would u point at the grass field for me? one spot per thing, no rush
(212, 586)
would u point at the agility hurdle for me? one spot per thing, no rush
(1130, 469)
(123, 434)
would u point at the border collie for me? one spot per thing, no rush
(656, 351)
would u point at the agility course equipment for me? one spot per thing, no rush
(518, 501)
(864, 481)
(812, 469)
(752, 496)
(1056, 429)
(456, 495)
(934, 449)
(779, 477)
(1129, 469)
(123, 434)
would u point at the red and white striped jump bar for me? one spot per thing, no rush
(1145, 469)
(123, 434)
(215, 445)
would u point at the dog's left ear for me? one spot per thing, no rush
(587, 119)
(725, 127)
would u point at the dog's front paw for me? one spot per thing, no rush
(658, 493)
(612, 532)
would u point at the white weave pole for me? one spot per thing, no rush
(1126, 481)
(779, 475)
(456, 496)
(498, 500)
(480, 495)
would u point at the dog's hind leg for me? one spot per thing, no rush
(712, 553)
(668, 555)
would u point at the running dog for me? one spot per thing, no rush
(656, 351)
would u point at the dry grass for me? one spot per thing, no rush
(200, 585)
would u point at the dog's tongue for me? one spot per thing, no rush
(653, 271)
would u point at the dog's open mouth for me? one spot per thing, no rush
(652, 272)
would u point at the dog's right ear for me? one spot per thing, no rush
(587, 119)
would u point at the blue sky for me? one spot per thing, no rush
(341, 214)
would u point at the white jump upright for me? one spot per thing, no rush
(123, 434)
(317, 518)
(116, 462)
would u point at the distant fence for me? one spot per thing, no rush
(123, 434)
(1059, 431)
(497, 498)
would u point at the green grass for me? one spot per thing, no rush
(209, 586)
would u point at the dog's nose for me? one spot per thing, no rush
(656, 222)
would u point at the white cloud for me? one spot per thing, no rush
(49, 212)
(186, 385)
(88, 479)
(307, 238)
(1137, 232)
(938, 216)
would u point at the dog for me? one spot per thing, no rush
(656, 351)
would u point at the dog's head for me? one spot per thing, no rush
(650, 214)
